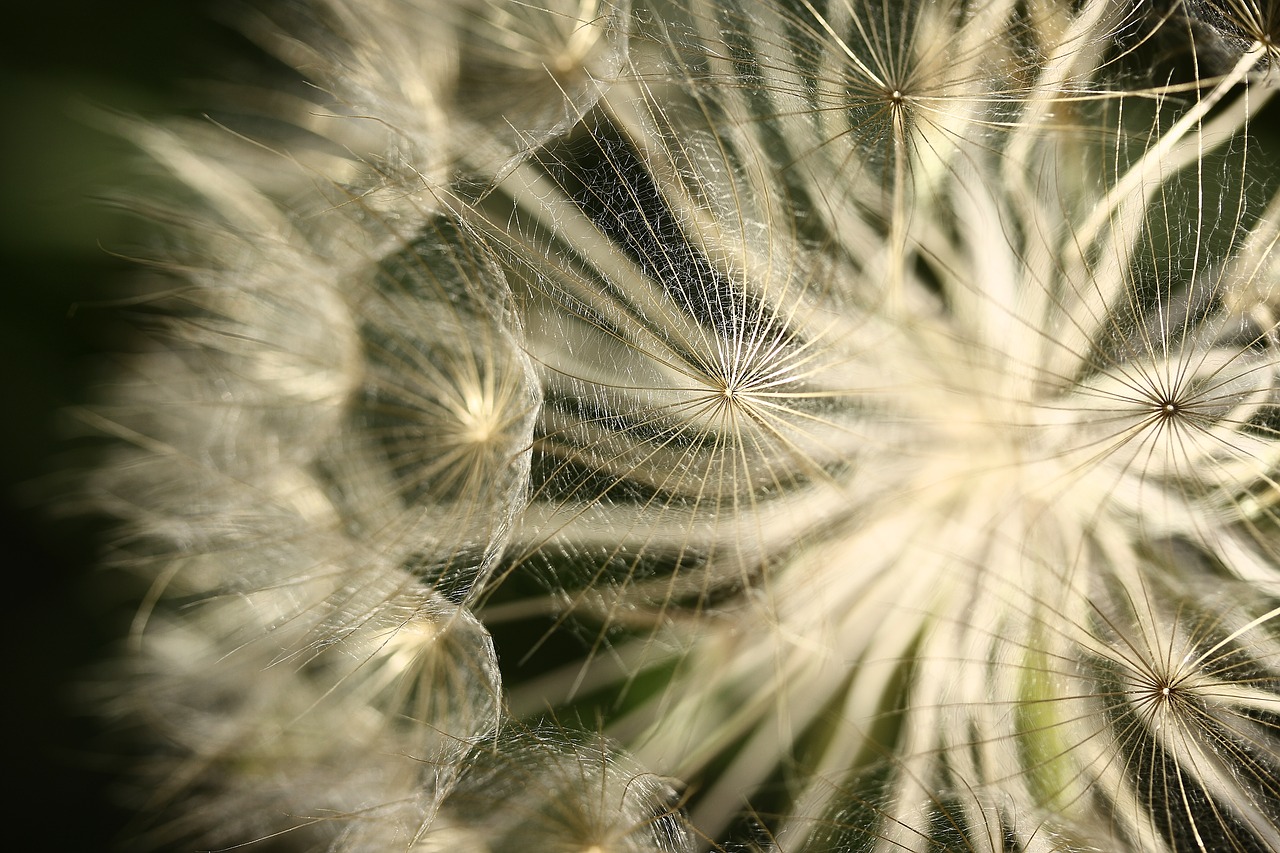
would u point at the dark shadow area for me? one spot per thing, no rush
(61, 246)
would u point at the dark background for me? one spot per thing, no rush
(61, 59)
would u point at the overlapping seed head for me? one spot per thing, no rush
(817, 426)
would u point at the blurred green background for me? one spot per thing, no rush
(62, 60)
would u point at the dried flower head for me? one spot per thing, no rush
(670, 425)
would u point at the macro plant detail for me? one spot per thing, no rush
(663, 426)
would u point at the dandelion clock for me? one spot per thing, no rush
(772, 425)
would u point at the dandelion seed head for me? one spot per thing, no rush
(878, 389)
